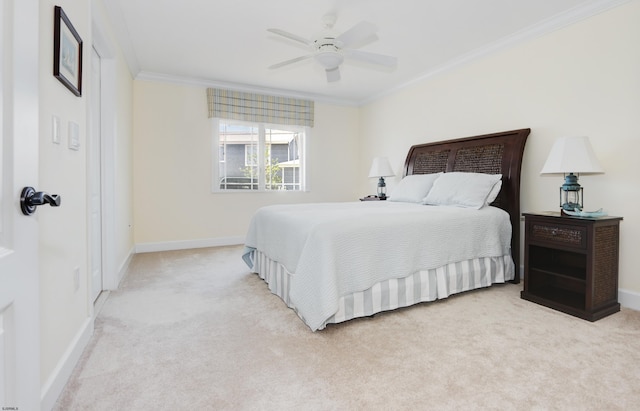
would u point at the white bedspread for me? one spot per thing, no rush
(335, 249)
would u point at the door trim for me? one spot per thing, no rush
(110, 275)
(95, 172)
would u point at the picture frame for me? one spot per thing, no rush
(67, 52)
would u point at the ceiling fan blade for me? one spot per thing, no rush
(357, 34)
(290, 36)
(295, 60)
(333, 74)
(380, 59)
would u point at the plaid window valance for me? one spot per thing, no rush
(238, 105)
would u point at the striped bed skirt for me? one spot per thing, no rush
(422, 286)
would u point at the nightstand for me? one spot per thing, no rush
(372, 198)
(571, 263)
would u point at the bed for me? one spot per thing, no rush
(333, 262)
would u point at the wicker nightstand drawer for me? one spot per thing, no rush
(571, 236)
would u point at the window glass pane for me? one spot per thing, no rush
(238, 167)
(283, 165)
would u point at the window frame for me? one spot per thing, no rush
(303, 149)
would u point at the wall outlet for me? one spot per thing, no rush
(76, 279)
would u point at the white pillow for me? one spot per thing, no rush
(469, 190)
(413, 188)
(494, 192)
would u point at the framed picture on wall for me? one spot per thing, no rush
(67, 52)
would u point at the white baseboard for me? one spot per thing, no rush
(187, 244)
(56, 382)
(629, 299)
(124, 267)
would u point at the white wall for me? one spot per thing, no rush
(581, 80)
(63, 230)
(172, 168)
(66, 312)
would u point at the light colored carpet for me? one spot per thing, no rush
(194, 330)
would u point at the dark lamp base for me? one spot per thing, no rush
(571, 207)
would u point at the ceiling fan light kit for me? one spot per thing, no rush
(329, 59)
(330, 50)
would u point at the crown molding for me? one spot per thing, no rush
(540, 29)
(248, 88)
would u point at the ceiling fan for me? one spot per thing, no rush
(330, 49)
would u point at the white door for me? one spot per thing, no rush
(19, 320)
(95, 175)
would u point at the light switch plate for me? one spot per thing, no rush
(55, 129)
(74, 136)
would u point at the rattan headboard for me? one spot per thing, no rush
(498, 153)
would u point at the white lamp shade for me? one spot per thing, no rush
(380, 167)
(572, 155)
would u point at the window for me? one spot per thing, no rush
(258, 157)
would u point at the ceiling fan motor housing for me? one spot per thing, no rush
(328, 52)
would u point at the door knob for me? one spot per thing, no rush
(30, 199)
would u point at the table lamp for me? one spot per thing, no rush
(380, 167)
(572, 156)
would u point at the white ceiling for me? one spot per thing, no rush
(226, 43)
